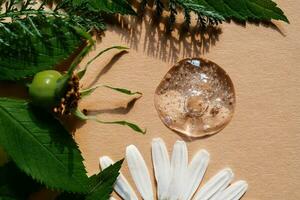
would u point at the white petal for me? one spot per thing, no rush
(105, 162)
(122, 186)
(161, 164)
(179, 164)
(195, 173)
(139, 172)
(234, 192)
(218, 183)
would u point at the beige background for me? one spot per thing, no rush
(261, 144)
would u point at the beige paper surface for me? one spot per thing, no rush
(260, 144)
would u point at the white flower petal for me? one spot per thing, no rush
(218, 183)
(161, 164)
(105, 162)
(195, 173)
(179, 164)
(139, 172)
(234, 192)
(122, 187)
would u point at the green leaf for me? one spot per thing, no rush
(87, 92)
(101, 185)
(41, 147)
(129, 124)
(263, 10)
(26, 54)
(14, 184)
(110, 6)
(82, 116)
(212, 12)
(123, 90)
(200, 10)
(3, 157)
(81, 14)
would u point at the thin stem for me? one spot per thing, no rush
(88, 91)
(133, 126)
(82, 72)
(105, 50)
(123, 123)
(78, 58)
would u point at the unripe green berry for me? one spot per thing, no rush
(43, 87)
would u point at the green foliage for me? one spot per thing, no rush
(87, 92)
(213, 12)
(25, 54)
(3, 157)
(41, 147)
(125, 123)
(84, 16)
(82, 116)
(101, 185)
(263, 10)
(123, 90)
(111, 7)
(33, 38)
(14, 184)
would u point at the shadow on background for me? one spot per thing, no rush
(107, 67)
(150, 34)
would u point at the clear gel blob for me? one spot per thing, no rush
(196, 98)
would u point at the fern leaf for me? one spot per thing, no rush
(212, 12)
(36, 44)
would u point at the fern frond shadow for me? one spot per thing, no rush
(169, 46)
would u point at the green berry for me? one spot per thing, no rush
(43, 87)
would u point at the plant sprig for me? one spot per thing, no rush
(213, 12)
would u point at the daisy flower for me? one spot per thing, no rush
(176, 179)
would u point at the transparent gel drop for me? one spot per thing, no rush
(196, 98)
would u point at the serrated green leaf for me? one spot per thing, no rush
(213, 12)
(101, 185)
(41, 147)
(193, 5)
(243, 10)
(14, 184)
(26, 54)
